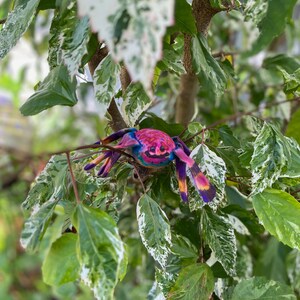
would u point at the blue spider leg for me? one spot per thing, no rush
(202, 184)
(97, 160)
(181, 177)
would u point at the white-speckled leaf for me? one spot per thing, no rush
(133, 31)
(270, 158)
(69, 39)
(100, 251)
(214, 168)
(105, 80)
(154, 229)
(16, 24)
(136, 101)
(237, 225)
(219, 235)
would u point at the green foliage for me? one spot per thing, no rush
(207, 68)
(101, 252)
(118, 238)
(16, 24)
(279, 213)
(271, 22)
(56, 89)
(194, 282)
(261, 288)
(154, 229)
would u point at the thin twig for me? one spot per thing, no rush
(140, 179)
(73, 179)
(240, 114)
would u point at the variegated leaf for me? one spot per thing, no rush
(133, 31)
(136, 101)
(270, 157)
(154, 229)
(105, 80)
(215, 169)
(16, 24)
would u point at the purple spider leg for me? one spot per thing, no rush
(117, 135)
(108, 164)
(111, 157)
(202, 184)
(181, 177)
(97, 160)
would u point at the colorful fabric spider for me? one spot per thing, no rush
(154, 149)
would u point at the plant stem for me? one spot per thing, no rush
(73, 179)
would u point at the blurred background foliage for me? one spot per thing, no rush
(25, 142)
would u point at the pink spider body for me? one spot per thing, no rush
(153, 148)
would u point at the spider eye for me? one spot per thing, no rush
(162, 148)
(152, 149)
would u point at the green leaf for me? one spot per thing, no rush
(100, 250)
(171, 60)
(56, 89)
(279, 213)
(61, 265)
(270, 157)
(133, 32)
(293, 167)
(288, 63)
(154, 229)
(293, 268)
(36, 225)
(210, 74)
(271, 262)
(105, 80)
(16, 24)
(215, 169)
(69, 38)
(184, 18)
(172, 129)
(49, 185)
(270, 18)
(262, 288)
(194, 282)
(136, 101)
(219, 235)
(291, 81)
(293, 127)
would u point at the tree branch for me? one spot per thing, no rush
(185, 104)
(117, 122)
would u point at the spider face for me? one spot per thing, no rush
(154, 149)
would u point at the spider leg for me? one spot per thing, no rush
(108, 164)
(181, 176)
(97, 160)
(202, 184)
(117, 135)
